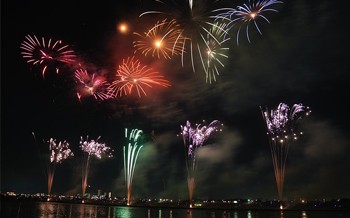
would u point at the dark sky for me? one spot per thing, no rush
(301, 57)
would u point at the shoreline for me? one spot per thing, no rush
(342, 205)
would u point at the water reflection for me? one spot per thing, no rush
(85, 210)
(189, 213)
(249, 214)
(164, 212)
(224, 214)
(65, 210)
(109, 212)
(303, 214)
(123, 212)
(47, 209)
(70, 211)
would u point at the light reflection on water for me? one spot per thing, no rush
(58, 210)
(303, 213)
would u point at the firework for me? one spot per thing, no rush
(91, 148)
(131, 75)
(282, 130)
(213, 55)
(123, 28)
(244, 15)
(160, 41)
(91, 85)
(194, 138)
(131, 152)
(46, 53)
(58, 152)
(194, 21)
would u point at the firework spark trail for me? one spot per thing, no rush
(58, 152)
(131, 75)
(91, 85)
(194, 19)
(160, 40)
(281, 127)
(92, 148)
(131, 152)
(214, 52)
(45, 162)
(244, 15)
(194, 138)
(46, 53)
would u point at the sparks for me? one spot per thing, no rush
(91, 85)
(58, 152)
(193, 139)
(46, 53)
(164, 40)
(281, 128)
(244, 15)
(194, 20)
(131, 152)
(132, 75)
(91, 148)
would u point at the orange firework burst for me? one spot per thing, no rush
(123, 28)
(46, 52)
(131, 74)
(164, 39)
(194, 19)
(91, 85)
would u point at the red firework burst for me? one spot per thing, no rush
(91, 85)
(131, 74)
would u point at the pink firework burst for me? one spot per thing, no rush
(46, 53)
(92, 148)
(91, 85)
(131, 75)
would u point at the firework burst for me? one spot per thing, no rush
(46, 53)
(131, 152)
(91, 85)
(194, 21)
(282, 130)
(92, 148)
(244, 15)
(58, 152)
(123, 28)
(212, 58)
(162, 41)
(193, 139)
(131, 75)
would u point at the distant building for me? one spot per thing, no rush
(10, 193)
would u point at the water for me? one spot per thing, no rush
(56, 210)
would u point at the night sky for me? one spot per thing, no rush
(301, 57)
